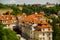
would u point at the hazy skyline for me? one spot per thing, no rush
(28, 1)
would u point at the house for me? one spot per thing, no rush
(54, 15)
(59, 13)
(8, 20)
(2, 11)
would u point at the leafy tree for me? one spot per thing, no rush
(6, 34)
(58, 34)
(9, 35)
(54, 27)
(1, 33)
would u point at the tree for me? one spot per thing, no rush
(54, 27)
(58, 34)
(7, 34)
(1, 33)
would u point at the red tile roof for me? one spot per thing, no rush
(8, 18)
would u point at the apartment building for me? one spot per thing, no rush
(35, 26)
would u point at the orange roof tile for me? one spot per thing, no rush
(44, 26)
(48, 31)
(44, 22)
(54, 15)
(33, 18)
(37, 31)
(9, 22)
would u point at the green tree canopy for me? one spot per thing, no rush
(7, 34)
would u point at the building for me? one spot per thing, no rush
(50, 5)
(2, 11)
(59, 13)
(35, 26)
(54, 15)
(8, 20)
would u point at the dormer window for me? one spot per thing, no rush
(32, 22)
(22, 22)
(39, 24)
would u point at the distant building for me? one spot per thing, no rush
(2, 11)
(55, 15)
(59, 13)
(20, 7)
(50, 5)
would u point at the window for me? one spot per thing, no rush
(39, 24)
(40, 38)
(43, 34)
(43, 38)
(40, 29)
(49, 38)
(48, 28)
(32, 22)
(4, 21)
(31, 32)
(22, 22)
(48, 34)
(43, 29)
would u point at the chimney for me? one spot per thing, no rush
(36, 13)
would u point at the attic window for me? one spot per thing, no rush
(32, 22)
(45, 24)
(39, 24)
(22, 22)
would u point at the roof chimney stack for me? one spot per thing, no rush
(36, 13)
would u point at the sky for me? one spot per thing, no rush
(28, 1)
